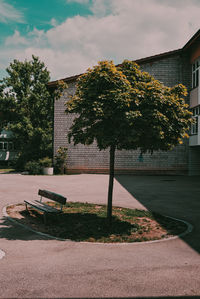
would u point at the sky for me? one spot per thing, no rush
(71, 35)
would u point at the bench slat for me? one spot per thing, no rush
(53, 196)
(41, 206)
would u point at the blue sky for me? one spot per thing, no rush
(72, 35)
(29, 14)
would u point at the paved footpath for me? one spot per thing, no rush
(38, 267)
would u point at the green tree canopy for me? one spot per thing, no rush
(125, 108)
(26, 106)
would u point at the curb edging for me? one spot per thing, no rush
(187, 231)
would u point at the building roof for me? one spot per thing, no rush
(6, 134)
(193, 39)
(141, 61)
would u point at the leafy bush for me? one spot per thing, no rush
(45, 162)
(61, 160)
(33, 167)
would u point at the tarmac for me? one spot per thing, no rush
(36, 266)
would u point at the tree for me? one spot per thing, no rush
(125, 108)
(26, 106)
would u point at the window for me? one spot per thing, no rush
(7, 146)
(194, 127)
(195, 73)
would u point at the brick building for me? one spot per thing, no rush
(178, 66)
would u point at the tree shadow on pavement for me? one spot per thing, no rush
(175, 196)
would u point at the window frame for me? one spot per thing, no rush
(195, 125)
(195, 73)
(7, 146)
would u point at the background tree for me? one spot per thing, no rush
(125, 108)
(26, 106)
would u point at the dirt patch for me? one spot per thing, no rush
(87, 222)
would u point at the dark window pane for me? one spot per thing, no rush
(5, 145)
(193, 80)
(197, 78)
(196, 125)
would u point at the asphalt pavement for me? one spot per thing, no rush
(35, 266)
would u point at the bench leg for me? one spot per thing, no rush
(27, 207)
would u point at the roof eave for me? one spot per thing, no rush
(192, 40)
(158, 56)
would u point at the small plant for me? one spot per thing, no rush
(33, 167)
(45, 162)
(61, 159)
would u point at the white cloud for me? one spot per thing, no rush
(60, 64)
(9, 13)
(101, 7)
(37, 38)
(16, 40)
(53, 22)
(124, 29)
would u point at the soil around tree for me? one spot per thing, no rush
(87, 222)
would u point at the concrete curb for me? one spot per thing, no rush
(187, 231)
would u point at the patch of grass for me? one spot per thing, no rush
(87, 222)
(7, 170)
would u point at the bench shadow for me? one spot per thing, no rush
(175, 196)
(11, 230)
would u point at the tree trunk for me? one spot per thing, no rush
(110, 187)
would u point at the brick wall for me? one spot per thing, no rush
(89, 159)
(194, 160)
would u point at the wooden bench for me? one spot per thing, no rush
(45, 208)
